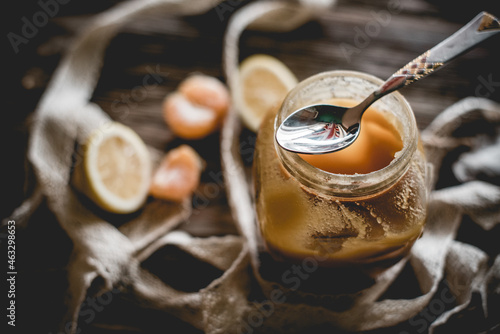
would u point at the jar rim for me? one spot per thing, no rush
(349, 185)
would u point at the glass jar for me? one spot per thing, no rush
(369, 220)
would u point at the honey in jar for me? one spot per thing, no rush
(363, 206)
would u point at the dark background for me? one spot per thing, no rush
(184, 45)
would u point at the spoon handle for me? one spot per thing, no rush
(484, 25)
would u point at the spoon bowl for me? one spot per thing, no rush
(326, 128)
(317, 129)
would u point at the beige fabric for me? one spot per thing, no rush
(110, 257)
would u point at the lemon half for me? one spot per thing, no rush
(263, 83)
(116, 169)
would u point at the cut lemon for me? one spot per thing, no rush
(263, 83)
(116, 169)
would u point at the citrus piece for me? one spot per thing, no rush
(188, 120)
(178, 174)
(116, 169)
(206, 91)
(263, 83)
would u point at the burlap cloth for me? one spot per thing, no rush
(108, 258)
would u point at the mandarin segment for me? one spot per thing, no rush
(178, 174)
(187, 120)
(206, 91)
(197, 107)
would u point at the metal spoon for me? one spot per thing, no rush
(325, 128)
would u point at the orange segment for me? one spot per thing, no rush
(206, 91)
(187, 120)
(178, 175)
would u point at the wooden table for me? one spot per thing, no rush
(376, 37)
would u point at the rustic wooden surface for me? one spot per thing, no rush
(175, 47)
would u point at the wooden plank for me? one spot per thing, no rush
(179, 46)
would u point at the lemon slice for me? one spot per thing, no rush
(116, 169)
(263, 83)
